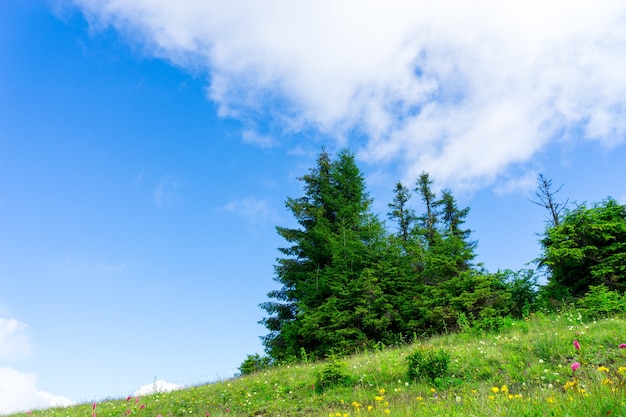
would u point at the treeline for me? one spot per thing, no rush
(348, 283)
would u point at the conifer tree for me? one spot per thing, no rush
(324, 273)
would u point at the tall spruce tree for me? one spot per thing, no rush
(326, 271)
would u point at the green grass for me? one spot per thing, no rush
(523, 370)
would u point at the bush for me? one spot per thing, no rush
(333, 373)
(602, 302)
(254, 363)
(428, 363)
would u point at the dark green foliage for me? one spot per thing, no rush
(328, 300)
(428, 363)
(254, 363)
(587, 248)
(347, 284)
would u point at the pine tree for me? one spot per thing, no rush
(323, 273)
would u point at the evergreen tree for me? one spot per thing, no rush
(587, 248)
(401, 213)
(323, 273)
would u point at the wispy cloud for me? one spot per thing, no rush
(167, 190)
(79, 268)
(257, 213)
(461, 89)
(253, 137)
(18, 390)
(14, 339)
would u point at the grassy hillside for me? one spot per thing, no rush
(524, 370)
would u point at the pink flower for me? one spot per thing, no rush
(136, 400)
(128, 398)
(93, 406)
(575, 366)
(576, 344)
(30, 413)
(622, 345)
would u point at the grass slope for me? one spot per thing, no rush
(524, 370)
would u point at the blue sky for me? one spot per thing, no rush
(147, 149)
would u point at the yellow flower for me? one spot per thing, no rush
(607, 381)
(382, 391)
(603, 369)
(491, 397)
(369, 408)
(550, 400)
(378, 398)
(621, 369)
(495, 390)
(510, 397)
(504, 389)
(420, 398)
(355, 404)
(433, 390)
(387, 411)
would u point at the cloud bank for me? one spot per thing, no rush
(460, 89)
(18, 390)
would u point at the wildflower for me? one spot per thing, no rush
(576, 344)
(128, 398)
(369, 408)
(504, 389)
(603, 369)
(495, 390)
(382, 391)
(491, 397)
(622, 345)
(93, 406)
(387, 411)
(575, 366)
(607, 381)
(378, 398)
(142, 406)
(550, 400)
(570, 384)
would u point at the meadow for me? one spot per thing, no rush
(557, 364)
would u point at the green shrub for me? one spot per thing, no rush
(427, 363)
(254, 363)
(333, 373)
(602, 302)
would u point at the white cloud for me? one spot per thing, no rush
(156, 387)
(14, 339)
(264, 141)
(460, 89)
(18, 390)
(167, 190)
(256, 212)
